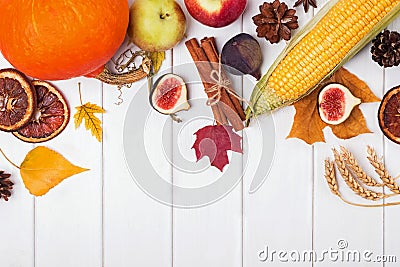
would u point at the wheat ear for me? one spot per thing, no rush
(382, 172)
(353, 165)
(330, 177)
(353, 183)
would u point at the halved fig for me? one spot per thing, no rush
(389, 115)
(17, 100)
(335, 103)
(50, 117)
(169, 94)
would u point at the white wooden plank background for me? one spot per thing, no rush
(102, 218)
(63, 219)
(279, 215)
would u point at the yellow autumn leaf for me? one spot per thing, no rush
(43, 169)
(87, 112)
(157, 59)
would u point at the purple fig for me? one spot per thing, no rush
(242, 55)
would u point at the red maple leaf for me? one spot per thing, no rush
(214, 142)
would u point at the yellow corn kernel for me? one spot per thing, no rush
(326, 45)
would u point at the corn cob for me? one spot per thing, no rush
(338, 32)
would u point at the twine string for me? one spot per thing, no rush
(215, 90)
(219, 84)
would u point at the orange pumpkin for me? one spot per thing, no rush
(61, 39)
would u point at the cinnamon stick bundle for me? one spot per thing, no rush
(210, 48)
(206, 59)
(198, 56)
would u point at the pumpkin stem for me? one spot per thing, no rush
(132, 76)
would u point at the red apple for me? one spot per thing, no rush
(216, 13)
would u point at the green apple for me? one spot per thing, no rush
(156, 25)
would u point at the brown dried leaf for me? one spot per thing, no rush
(308, 125)
(352, 127)
(357, 87)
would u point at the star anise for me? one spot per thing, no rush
(306, 4)
(5, 185)
(275, 21)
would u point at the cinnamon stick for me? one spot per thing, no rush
(210, 48)
(193, 48)
(222, 116)
(226, 107)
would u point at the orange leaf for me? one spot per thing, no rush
(308, 125)
(356, 86)
(352, 127)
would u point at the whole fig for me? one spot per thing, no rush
(242, 55)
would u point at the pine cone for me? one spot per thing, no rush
(5, 185)
(386, 49)
(275, 21)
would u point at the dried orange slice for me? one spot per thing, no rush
(50, 117)
(389, 115)
(17, 100)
